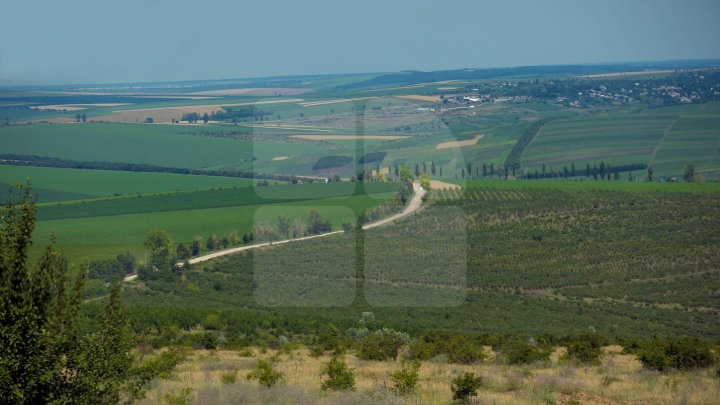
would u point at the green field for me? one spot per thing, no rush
(106, 183)
(103, 228)
(666, 138)
(193, 147)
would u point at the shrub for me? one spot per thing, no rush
(465, 386)
(182, 397)
(586, 348)
(208, 340)
(338, 375)
(158, 366)
(265, 373)
(229, 378)
(405, 380)
(516, 350)
(682, 354)
(384, 344)
(457, 347)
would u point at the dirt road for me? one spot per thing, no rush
(414, 205)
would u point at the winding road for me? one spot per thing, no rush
(414, 205)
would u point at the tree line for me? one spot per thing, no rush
(45, 161)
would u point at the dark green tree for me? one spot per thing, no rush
(195, 248)
(182, 252)
(159, 246)
(50, 354)
(689, 173)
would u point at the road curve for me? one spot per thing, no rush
(413, 206)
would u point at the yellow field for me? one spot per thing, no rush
(419, 97)
(166, 114)
(459, 144)
(336, 101)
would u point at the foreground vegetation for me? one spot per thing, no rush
(219, 377)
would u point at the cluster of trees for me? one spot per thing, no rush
(603, 171)
(290, 229)
(241, 113)
(53, 350)
(163, 254)
(112, 270)
(512, 161)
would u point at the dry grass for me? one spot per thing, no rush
(618, 380)
(166, 114)
(441, 185)
(419, 97)
(335, 101)
(459, 144)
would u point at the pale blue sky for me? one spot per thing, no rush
(100, 41)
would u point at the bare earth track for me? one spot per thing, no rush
(412, 207)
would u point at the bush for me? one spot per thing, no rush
(382, 345)
(465, 386)
(405, 380)
(182, 397)
(159, 366)
(682, 354)
(208, 341)
(457, 347)
(229, 378)
(516, 350)
(338, 375)
(586, 348)
(265, 373)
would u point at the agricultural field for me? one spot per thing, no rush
(100, 228)
(665, 138)
(535, 260)
(107, 183)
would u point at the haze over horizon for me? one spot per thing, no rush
(85, 41)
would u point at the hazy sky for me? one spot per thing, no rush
(99, 41)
